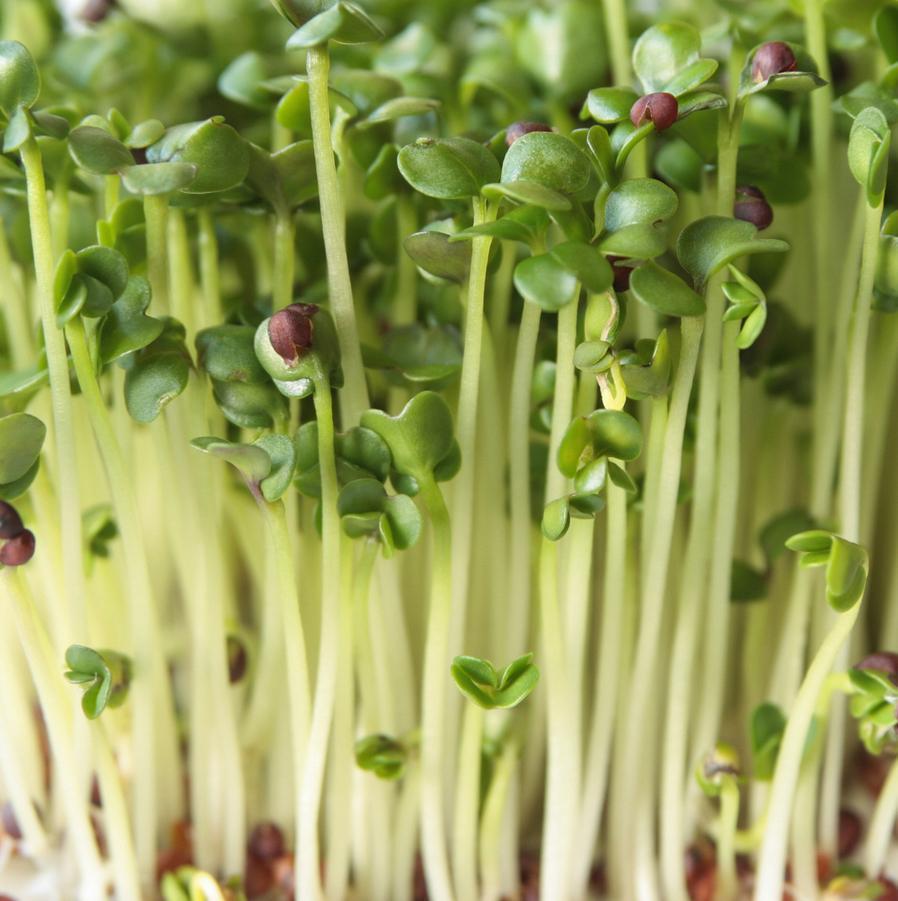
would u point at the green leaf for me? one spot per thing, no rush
(768, 724)
(448, 168)
(592, 270)
(556, 519)
(868, 152)
(433, 252)
(152, 383)
(343, 23)
(746, 582)
(752, 327)
(664, 292)
(95, 150)
(529, 192)
(20, 81)
(813, 541)
(18, 131)
(399, 107)
(621, 478)
(106, 265)
(639, 201)
(21, 439)
(379, 754)
(549, 159)
(662, 52)
(126, 328)
(420, 437)
(690, 77)
(227, 354)
(593, 356)
(282, 454)
(707, 245)
(778, 529)
(615, 434)
(609, 105)
(885, 27)
(254, 462)
(158, 178)
(543, 280)
(846, 574)
(220, 155)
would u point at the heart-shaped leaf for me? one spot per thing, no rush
(549, 159)
(126, 328)
(543, 280)
(448, 168)
(20, 81)
(707, 245)
(436, 254)
(158, 178)
(420, 437)
(868, 152)
(21, 439)
(664, 292)
(95, 150)
(639, 201)
(609, 105)
(586, 262)
(662, 52)
(343, 23)
(253, 461)
(530, 192)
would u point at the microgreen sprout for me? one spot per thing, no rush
(559, 326)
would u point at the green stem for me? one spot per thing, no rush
(354, 394)
(341, 762)
(492, 820)
(155, 212)
(181, 289)
(298, 694)
(772, 857)
(329, 651)
(466, 424)
(607, 679)
(210, 276)
(284, 261)
(850, 470)
(727, 881)
(67, 487)
(644, 671)
(433, 698)
(157, 786)
(618, 40)
(467, 802)
(57, 717)
(882, 825)
(520, 528)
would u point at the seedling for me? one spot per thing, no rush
(544, 326)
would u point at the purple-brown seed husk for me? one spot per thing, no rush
(266, 842)
(291, 330)
(881, 661)
(659, 108)
(519, 129)
(751, 206)
(10, 521)
(772, 58)
(237, 659)
(19, 550)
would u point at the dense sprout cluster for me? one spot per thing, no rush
(551, 349)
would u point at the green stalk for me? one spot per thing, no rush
(284, 261)
(850, 469)
(713, 682)
(375, 878)
(58, 720)
(67, 486)
(466, 424)
(607, 679)
(405, 303)
(354, 394)
(210, 276)
(727, 881)
(157, 788)
(467, 802)
(433, 699)
(563, 763)
(882, 825)
(772, 856)
(644, 672)
(294, 641)
(329, 652)
(500, 302)
(520, 528)
(618, 40)
(155, 212)
(341, 762)
(181, 288)
(493, 822)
